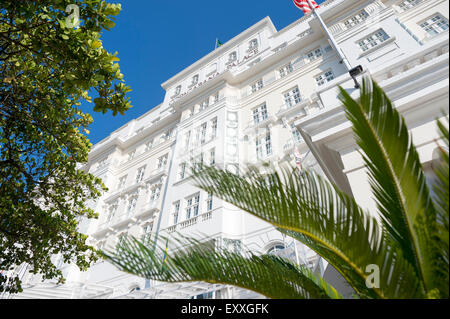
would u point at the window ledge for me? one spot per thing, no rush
(379, 46)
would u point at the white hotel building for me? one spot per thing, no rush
(242, 104)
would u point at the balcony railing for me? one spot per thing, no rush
(149, 209)
(116, 221)
(190, 222)
(294, 109)
(260, 123)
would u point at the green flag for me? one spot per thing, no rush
(218, 43)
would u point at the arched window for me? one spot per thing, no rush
(276, 248)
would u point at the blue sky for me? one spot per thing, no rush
(156, 39)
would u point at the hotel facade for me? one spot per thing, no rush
(255, 99)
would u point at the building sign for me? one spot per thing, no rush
(229, 67)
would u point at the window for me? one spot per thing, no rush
(408, 4)
(194, 80)
(112, 212)
(162, 161)
(203, 133)
(260, 113)
(204, 104)
(131, 205)
(373, 40)
(192, 206)
(263, 146)
(258, 85)
(190, 112)
(178, 90)
(197, 136)
(214, 128)
(292, 97)
(156, 191)
(253, 44)
(140, 174)
(356, 19)
(166, 135)
(275, 249)
(232, 57)
(212, 156)
(216, 97)
(131, 155)
(314, 54)
(206, 295)
(147, 232)
(176, 211)
(121, 239)
(122, 181)
(209, 202)
(198, 161)
(148, 146)
(324, 77)
(285, 70)
(296, 134)
(182, 171)
(434, 25)
(187, 138)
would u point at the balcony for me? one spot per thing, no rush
(157, 173)
(188, 223)
(191, 222)
(252, 125)
(298, 109)
(149, 209)
(116, 222)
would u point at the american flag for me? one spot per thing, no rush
(304, 5)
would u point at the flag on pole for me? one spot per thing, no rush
(164, 259)
(165, 251)
(218, 43)
(304, 5)
(298, 158)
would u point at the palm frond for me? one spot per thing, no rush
(326, 220)
(191, 260)
(441, 190)
(395, 175)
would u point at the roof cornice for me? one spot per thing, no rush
(266, 22)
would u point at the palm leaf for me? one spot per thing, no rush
(441, 189)
(324, 218)
(191, 260)
(395, 175)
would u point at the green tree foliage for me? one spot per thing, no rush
(48, 64)
(408, 242)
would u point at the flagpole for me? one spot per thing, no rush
(330, 37)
